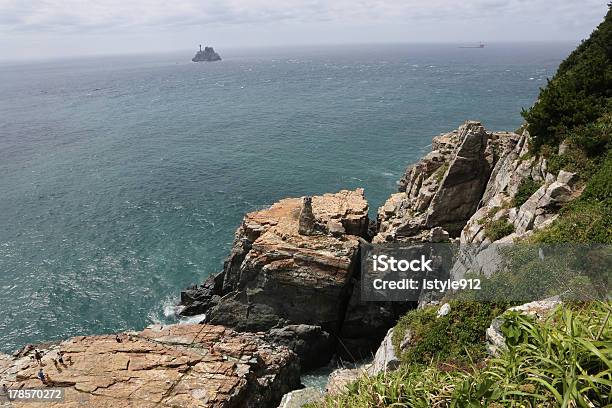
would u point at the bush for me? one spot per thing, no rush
(526, 188)
(575, 160)
(498, 229)
(578, 94)
(458, 337)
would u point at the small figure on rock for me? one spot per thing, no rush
(118, 339)
(41, 376)
(60, 357)
(38, 355)
(306, 224)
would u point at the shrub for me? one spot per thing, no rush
(498, 229)
(564, 361)
(578, 94)
(458, 337)
(526, 188)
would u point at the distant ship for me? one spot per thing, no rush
(208, 55)
(480, 45)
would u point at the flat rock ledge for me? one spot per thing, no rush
(188, 365)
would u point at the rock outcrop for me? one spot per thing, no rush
(468, 182)
(277, 275)
(385, 358)
(340, 378)
(440, 193)
(173, 366)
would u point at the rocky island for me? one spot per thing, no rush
(208, 55)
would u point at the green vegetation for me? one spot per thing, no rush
(439, 174)
(564, 361)
(587, 219)
(498, 229)
(561, 270)
(495, 229)
(577, 95)
(526, 188)
(458, 337)
(576, 107)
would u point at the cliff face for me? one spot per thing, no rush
(276, 276)
(471, 185)
(471, 178)
(444, 189)
(160, 367)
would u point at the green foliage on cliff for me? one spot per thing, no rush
(576, 108)
(578, 94)
(589, 218)
(458, 337)
(564, 361)
(498, 229)
(526, 188)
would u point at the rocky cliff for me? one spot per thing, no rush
(471, 187)
(297, 284)
(293, 271)
(288, 294)
(173, 366)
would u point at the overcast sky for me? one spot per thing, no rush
(56, 28)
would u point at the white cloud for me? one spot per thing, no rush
(37, 28)
(67, 15)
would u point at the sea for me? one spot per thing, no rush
(123, 178)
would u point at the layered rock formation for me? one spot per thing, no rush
(285, 270)
(172, 366)
(441, 192)
(467, 183)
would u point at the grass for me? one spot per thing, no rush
(526, 188)
(564, 361)
(457, 338)
(439, 174)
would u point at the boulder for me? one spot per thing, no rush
(540, 309)
(340, 378)
(313, 345)
(444, 310)
(299, 398)
(385, 358)
(188, 365)
(543, 206)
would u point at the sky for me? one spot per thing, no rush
(58, 28)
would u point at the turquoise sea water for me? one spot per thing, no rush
(122, 179)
